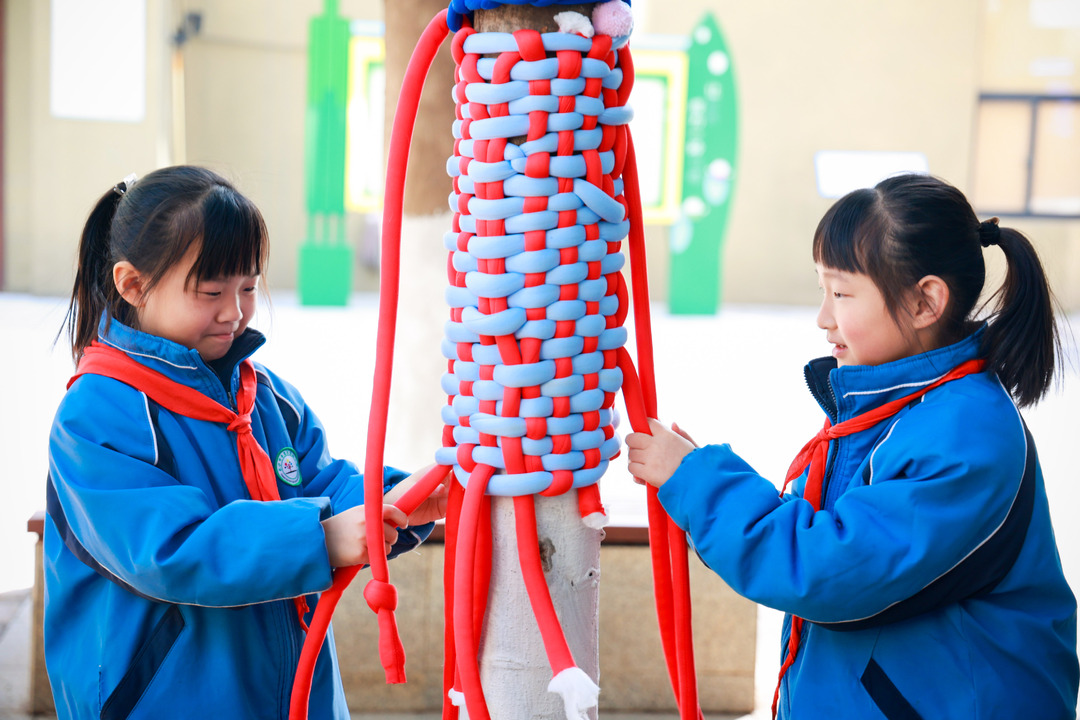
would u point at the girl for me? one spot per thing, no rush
(914, 555)
(193, 504)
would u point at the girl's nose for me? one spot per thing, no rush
(230, 310)
(824, 316)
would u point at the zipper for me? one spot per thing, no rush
(816, 374)
(286, 615)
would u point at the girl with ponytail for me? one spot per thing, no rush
(194, 511)
(911, 548)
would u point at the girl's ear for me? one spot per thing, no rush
(931, 299)
(129, 283)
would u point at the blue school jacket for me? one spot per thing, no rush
(167, 589)
(930, 579)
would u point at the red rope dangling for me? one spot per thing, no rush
(667, 542)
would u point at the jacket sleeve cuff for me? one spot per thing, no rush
(410, 539)
(682, 487)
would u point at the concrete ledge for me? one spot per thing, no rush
(633, 676)
(41, 699)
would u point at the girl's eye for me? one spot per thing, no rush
(837, 295)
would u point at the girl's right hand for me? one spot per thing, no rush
(655, 456)
(346, 535)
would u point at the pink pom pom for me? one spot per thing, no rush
(613, 18)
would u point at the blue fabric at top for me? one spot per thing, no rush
(459, 9)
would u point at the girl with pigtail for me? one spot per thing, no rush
(194, 509)
(913, 552)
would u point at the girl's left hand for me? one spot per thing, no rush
(346, 535)
(431, 509)
(653, 459)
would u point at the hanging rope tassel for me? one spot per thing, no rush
(466, 628)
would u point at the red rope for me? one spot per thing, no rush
(671, 572)
(391, 652)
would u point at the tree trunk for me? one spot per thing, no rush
(414, 428)
(514, 667)
(509, 18)
(513, 663)
(432, 143)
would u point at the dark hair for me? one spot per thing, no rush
(914, 225)
(152, 224)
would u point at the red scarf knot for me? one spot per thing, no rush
(241, 425)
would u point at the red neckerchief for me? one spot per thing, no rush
(255, 465)
(814, 455)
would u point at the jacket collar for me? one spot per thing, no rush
(179, 363)
(844, 392)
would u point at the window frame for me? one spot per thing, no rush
(1033, 100)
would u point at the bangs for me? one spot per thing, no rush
(233, 234)
(841, 238)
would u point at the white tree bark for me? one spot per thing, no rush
(414, 428)
(514, 668)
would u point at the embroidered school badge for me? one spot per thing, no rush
(287, 466)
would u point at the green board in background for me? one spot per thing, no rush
(326, 258)
(709, 174)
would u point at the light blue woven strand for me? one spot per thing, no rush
(591, 206)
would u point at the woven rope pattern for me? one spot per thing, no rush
(536, 295)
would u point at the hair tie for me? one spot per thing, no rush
(989, 232)
(124, 185)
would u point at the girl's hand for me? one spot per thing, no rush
(431, 509)
(655, 458)
(346, 535)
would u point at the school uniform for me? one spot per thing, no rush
(168, 590)
(929, 580)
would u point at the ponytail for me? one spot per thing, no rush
(1022, 344)
(93, 289)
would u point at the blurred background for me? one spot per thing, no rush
(750, 120)
(828, 94)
